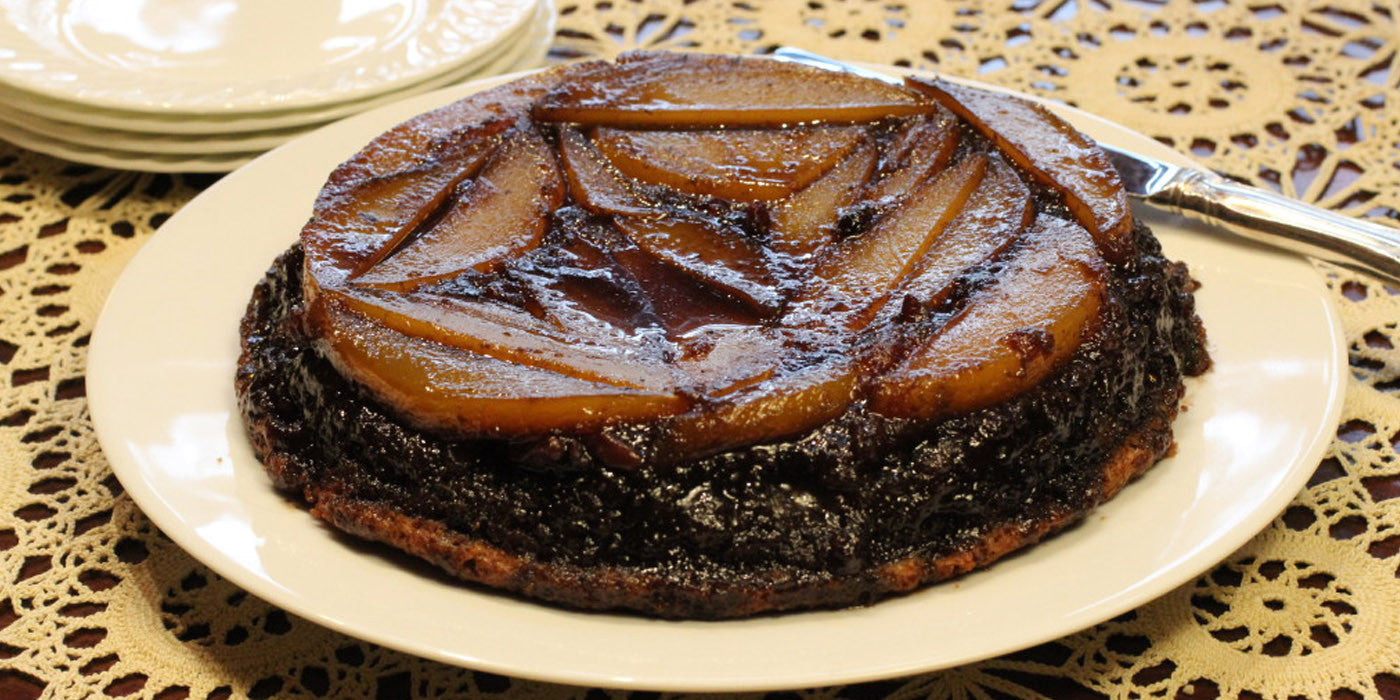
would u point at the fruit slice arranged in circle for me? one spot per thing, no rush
(691, 244)
(697, 92)
(722, 258)
(777, 408)
(996, 214)
(447, 388)
(917, 152)
(367, 221)
(735, 164)
(507, 334)
(1052, 152)
(497, 215)
(856, 277)
(593, 182)
(1010, 336)
(804, 224)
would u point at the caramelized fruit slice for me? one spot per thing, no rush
(695, 91)
(855, 277)
(917, 152)
(721, 359)
(592, 181)
(778, 408)
(806, 222)
(397, 203)
(1052, 152)
(499, 214)
(449, 388)
(454, 141)
(721, 258)
(735, 164)
(359, 227)
(1010, 336)
(996, 213)
(511, 335)
(444, 132)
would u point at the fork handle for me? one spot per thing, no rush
(1279, 221)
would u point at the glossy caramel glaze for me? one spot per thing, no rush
(735, 284)
(596, 331)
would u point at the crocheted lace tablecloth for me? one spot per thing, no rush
(1302, 97)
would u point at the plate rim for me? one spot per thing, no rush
(247, 99)
(305, 119)
(150, 501)
(136, 144)
(224, 160)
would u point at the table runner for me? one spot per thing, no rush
(1302, 97)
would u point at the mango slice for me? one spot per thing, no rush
(698, 92)
(500, 214)
(742, 165)
(855, 277)
(1010, 336)
(1051, 151)
(447, 388)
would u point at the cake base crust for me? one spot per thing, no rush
(618, 588)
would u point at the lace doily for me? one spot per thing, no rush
(1293, 95)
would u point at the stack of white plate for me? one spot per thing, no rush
(206, 85)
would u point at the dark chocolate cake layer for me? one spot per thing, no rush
(859, 508)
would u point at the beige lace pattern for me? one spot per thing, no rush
(1300, 96)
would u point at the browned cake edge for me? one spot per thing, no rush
(618, 588)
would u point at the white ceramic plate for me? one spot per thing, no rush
(172, 144)
(123, 159)
(204, 125)
(212, 153)
(253, 55)
(161, 392)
